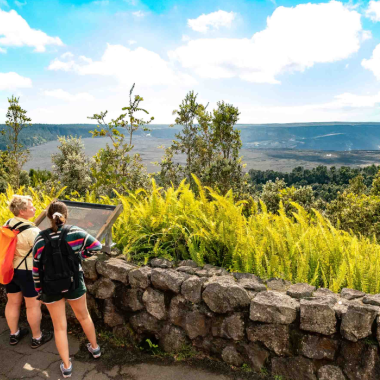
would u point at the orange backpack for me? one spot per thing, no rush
(8, 241)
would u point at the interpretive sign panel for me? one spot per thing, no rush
(94, 218)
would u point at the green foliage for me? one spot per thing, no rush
(113, 167)
(241, 236)
(39, 177)
(71, 165)
(211, 148)
(17, 120)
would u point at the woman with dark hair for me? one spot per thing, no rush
(72, 240)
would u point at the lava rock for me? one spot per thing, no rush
(319, 347)
(372, 299)
(115, 269)
(188, 263)
(231, 327)
(144, 322)
(191, 289)
(222, 295)
(154, 302)
(89, 268)
(257, 356)
(357, 322)
(140, 277)
(330, 372)
(278, 284)
(252, 284)
(167, 280)
(104, 288)
(300, 291)
(131, 299)
(112, 317)
(161, 263)
(173, 339)
(351, 294)
(297, 368)
(183, 314)
(275, 337)
(231, 356)
(324, 292)
(273, 307)
(318, 315)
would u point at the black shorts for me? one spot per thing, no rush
(22, 282)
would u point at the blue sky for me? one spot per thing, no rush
(278, 61)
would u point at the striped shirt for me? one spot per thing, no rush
(78, 239)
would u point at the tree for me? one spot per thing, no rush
(134, 122)
(211, 147)
(17, 121)
(113, 168)
(71, 166)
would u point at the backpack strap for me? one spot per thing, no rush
(24, 259)
(15, 226)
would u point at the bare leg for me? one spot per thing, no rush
(12, 311)
(79, 307)
(57, 312)
(34, 315)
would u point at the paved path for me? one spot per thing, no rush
(20, 361)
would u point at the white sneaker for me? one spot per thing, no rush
(95, 352)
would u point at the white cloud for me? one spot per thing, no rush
(20, 4)
(132, 42)
(12, 80)
(185, 38)
(373, 63)
(15, 31)
(292, 41)
(138, 14)
(3, 51)
(68, 54)
(214, 20)
(344, 107)
(127, 66)
(57, 65)
(373, 10)
(66, 96)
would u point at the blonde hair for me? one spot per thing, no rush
(19, 203)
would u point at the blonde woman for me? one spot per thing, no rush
(22, 285)
(58, 277)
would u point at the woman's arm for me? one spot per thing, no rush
(83, 242)
(38, 247)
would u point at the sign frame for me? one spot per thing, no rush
(105, 231)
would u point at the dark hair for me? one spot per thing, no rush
(57, 221)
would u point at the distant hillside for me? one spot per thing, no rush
(39, 134)
(334, 136)
(312, 136)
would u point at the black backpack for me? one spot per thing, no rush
(59, 265)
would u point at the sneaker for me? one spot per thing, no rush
(46, 337)
(95, 352)
(66, 372)
(14, 339)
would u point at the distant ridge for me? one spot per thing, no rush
(334, 136)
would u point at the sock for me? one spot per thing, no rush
(17, 333)
(92, 348)
(71, 364)
(39, 338)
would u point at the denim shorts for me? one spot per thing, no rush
(22, 282)
(72, 295)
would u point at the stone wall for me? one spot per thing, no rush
(293, 331)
